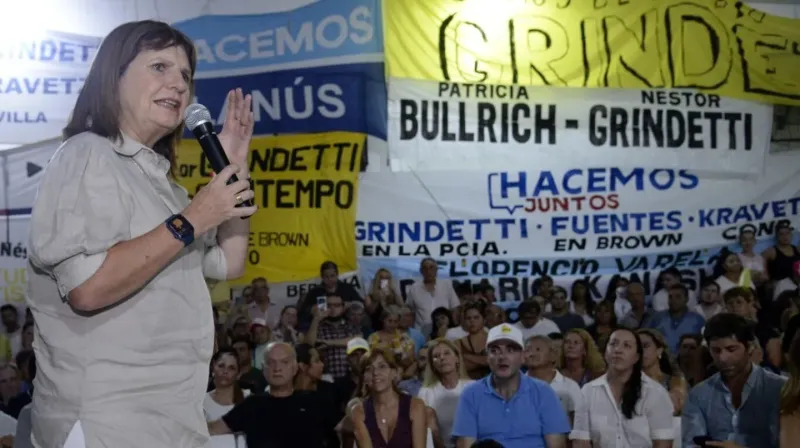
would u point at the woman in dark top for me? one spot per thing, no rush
(473, 345)
(442, 320)
(780, 257)
(605, 321)
(385, 417)
(309, 378)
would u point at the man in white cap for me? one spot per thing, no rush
(346, 385)
(514, 409)
(355, 344)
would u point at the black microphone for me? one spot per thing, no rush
(198, 120)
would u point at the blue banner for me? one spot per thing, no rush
(334, 98)
(347, 30)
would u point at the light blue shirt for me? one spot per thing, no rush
(521, 422)
(418, 338)
(410, 386)
(673, 329)
(709, 411)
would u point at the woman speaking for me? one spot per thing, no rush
(118, 253)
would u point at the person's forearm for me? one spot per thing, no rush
(127, 267)
(218, 427)
(336, 342)
(233, 237)
(311, 334)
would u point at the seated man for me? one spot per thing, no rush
(513, 409)
(740, 404)
(284, 417)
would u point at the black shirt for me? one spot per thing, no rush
(300, 420)
(254, 381)
(344, 388)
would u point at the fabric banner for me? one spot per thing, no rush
(567, 221)
(723, 47)
(318, 34)
(40, 78)
(13, 260)
(348, 97)
(306, 188)
(436, 126)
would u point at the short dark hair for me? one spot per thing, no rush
(477, 306)
(328, 265)
(529, 306)
(709, 282)
(729, 325)
(698, 338)
(737, 292)
(334, 294)
(462, 288)
(673, 271)
(244, 340)
(303, 353)
(9, 307)
(98, 107)
(680, 287)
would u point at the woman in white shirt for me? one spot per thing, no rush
(225, 395)
(731, 272)
(445, 379)
(749, 258)
(623, 408)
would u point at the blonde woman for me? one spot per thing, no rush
(445, 378)
(382, 293)
(580, 360)
(390, 338)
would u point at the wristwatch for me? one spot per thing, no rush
(181, 229)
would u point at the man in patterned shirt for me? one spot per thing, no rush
(331, 328)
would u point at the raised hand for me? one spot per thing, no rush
(216, 202)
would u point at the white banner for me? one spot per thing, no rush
(567, 222)
(605, 210)
(440, 126)
(40, 78)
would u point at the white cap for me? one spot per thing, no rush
(357, 344)
(505, 332)
(258, 321)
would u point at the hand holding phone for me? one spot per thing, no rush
(701, 441)
(322, 303)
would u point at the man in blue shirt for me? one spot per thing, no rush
(677, 320)
(514, 409)
(739, 406)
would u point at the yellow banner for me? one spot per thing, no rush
(721, 46)
(306, 189)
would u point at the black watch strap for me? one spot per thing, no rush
(181, 229)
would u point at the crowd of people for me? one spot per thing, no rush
(445, 366)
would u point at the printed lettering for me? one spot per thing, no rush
(495, 123)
